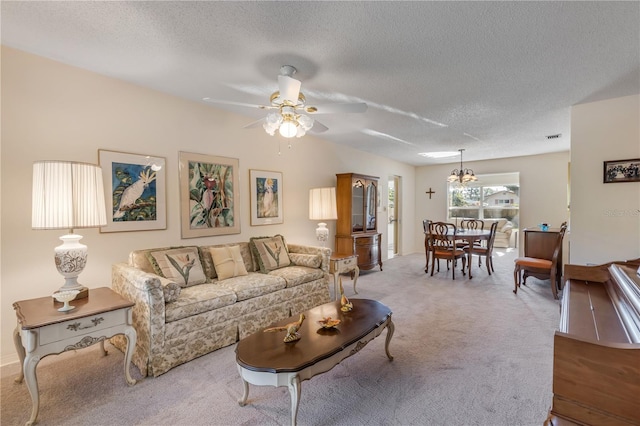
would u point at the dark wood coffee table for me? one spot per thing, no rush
(264, 359)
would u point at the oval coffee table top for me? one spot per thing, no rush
(267, 352)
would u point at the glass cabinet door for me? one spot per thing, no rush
(370, 206)
(357, 206)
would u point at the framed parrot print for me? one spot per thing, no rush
(135, 191)
(209, 195)
(266, 197)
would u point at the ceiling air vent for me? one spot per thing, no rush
(556, 136)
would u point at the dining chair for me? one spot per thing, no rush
(443, 246)
(427, 242)
(540, 268)
(485, 251)
(470, 224)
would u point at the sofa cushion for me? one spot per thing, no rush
(197, 299)
(270, 252)
(228, 262)
(253, 285)
(296, 275)
(207, 261)
(182, 265)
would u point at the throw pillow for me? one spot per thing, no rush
(181, 265)
(228, 262)
(270, 252)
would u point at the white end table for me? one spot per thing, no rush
(42, 330)
(341, 264)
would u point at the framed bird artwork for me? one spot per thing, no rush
(135, 191)
(266, 197)
(209, 195)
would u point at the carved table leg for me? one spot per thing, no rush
(245, 393)
(102, 349)
(336, 293)
(390, 330)
(294, 392)
(355, 278)
(17, 341)
(130, 333)
(30, 364)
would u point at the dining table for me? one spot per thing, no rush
(471, 236)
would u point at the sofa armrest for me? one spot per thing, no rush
(324, 252)
(507, 229)
(146, 291)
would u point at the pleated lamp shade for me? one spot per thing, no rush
(322, 206)
(68, 195)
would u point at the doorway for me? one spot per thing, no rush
(393, 215)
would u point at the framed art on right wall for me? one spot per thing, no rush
(622, 171)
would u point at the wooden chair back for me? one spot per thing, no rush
(443, 246)
(540, 268)
(472, 224)
(426, 225)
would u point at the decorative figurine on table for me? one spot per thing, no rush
(328, 322)
(345, 305)
(291, 329)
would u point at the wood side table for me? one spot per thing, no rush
(42, 330)
(340, 264)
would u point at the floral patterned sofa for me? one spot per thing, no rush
(192, 300)
(503, 231)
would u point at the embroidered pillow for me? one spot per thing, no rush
(181, 265)
(228, 262)
(270, 252)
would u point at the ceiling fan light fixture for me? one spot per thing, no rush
(305, 122)
(288, 128)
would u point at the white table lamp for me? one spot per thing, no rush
(322, 206)
(68, 195)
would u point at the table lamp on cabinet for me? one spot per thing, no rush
(68, 195)
(322, 207)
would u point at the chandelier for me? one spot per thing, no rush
(462, 175)
(286, 120)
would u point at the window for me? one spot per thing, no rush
(490, 197)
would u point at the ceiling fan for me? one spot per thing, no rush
(290, 115)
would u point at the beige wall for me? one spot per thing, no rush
(605, 218)
(543, 188)
(53, 111)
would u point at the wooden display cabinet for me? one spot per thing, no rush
(357, 225)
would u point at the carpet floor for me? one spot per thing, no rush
(467, 352)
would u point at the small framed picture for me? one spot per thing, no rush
(135, 191)
(266, 197)
(209, 194)
(622, 171)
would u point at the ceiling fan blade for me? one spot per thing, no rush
(257, 123)
(337, 108)
(318, 127)
(289, 88)
(219, 101)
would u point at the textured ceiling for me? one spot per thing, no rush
(494, 78)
